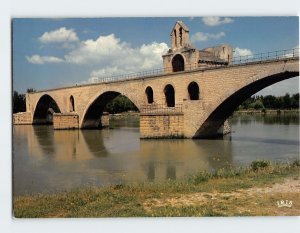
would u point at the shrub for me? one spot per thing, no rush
(258, 164)
(296, 163)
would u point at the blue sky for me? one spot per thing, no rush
(50, 53)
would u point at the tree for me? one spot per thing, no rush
(30, 90)
(286, 101)
(120, 104)
(258, 105)
(272, 102)
(295, 101)
(19, 103)
(269, 101)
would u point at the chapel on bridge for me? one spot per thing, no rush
(183, 56)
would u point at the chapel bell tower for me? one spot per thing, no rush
(179, 36)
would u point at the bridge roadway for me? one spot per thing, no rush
(190, 104)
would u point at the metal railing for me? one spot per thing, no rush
(259, 57)
(160, 108)
(267, 56)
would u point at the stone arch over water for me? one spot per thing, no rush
(45, 105)
(93, 112)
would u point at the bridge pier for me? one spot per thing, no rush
(161, 125)
(104, 120)
(22, 118)
(65, 120)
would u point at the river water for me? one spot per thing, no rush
(45, 160)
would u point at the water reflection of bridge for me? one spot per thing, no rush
(131, 159)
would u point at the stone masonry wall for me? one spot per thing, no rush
(161, 125)
(105, 120)
(65, 121)
(225, 128)
(22, 118)
(215, 86)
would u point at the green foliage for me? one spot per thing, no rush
(19, 103)
(271, 102)
(257, 105)
(30, 90)
(296, 163)
(259, 164)
(120, 104)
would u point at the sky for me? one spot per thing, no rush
(57, 52)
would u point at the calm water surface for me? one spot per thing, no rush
(48, 161)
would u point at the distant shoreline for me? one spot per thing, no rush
(268, 111)
(248, 111)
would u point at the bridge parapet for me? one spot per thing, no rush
(237, 60)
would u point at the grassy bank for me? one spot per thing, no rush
(252, 190)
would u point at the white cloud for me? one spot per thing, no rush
(61, 35)
(102, 49)
(215, 20)
(112, 56)
(201, 36)
(108, 55)
(242, 52)
(37, 59)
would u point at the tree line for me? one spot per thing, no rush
(271, 102)
(19, 101)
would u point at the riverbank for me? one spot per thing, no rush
(268, 111)
(248, 191)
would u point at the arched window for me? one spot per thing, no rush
(170, 95)
(175, 36)
(149, 95)
(180, 36)
(178, 63)
(72, 106)
(193, 90)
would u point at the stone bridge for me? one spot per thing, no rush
(190, 104)
(192, 96)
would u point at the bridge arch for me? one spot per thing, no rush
(91, 117)
(169, 95)
(46, 105)
(149, 95)
(193, 89)
(228, 104)
(178, 63)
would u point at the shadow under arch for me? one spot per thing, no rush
(92, 116)
(46, 105)
(210, 127)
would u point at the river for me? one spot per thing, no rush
(45, 160)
